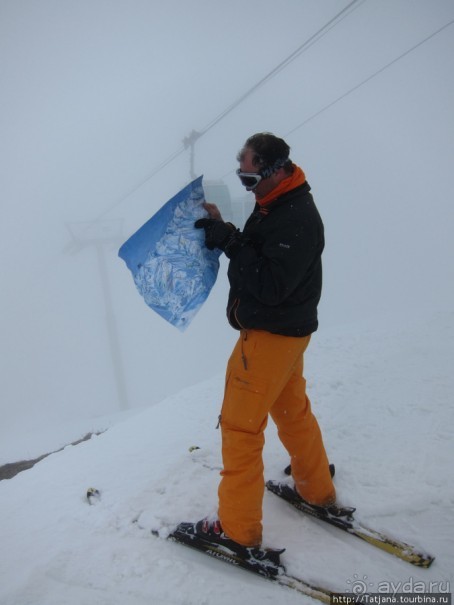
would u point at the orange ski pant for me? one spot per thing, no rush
(265, 376)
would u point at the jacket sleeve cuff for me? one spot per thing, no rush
(234, 245)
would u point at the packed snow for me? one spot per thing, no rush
(383, 396)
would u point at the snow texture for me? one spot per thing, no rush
(383, 397)
(172, 268)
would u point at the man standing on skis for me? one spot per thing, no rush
(275, 275)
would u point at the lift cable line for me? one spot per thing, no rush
(195, 135)
(369, 78)
(283, 64)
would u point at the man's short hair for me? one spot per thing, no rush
(269, 152)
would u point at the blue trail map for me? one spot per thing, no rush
(172, 268)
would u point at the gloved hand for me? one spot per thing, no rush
(217, 233)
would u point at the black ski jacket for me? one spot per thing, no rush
(275, 270)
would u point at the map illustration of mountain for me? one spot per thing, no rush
(172, 269)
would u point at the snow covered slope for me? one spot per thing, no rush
(383, 396)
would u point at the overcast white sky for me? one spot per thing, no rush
(95, 94)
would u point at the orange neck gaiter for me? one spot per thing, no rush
(295, 179)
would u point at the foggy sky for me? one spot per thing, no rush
(95, 94)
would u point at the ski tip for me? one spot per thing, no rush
(425, 560)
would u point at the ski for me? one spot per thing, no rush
(262, 562)
(343, 519)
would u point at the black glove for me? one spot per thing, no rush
(217, 233)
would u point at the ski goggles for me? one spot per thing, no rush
(249, 179)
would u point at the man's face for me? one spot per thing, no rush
(265, 185)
